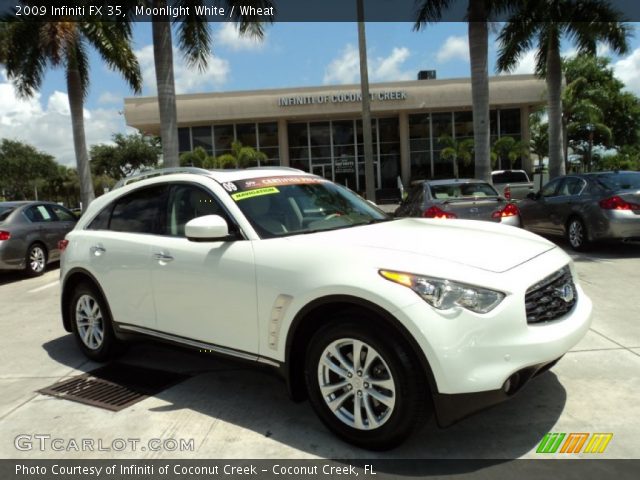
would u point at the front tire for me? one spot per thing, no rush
(36, 260)
(364, 385)
(577, 234)
(91, 324)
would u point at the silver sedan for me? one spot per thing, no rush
(586, 208)
(29, 234)
(458, 198)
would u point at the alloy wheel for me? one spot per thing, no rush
(576, 233)
(37, 259)
(356, 384)
(90, 322)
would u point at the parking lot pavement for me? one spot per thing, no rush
(233, 411)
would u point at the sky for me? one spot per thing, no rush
(291, 55)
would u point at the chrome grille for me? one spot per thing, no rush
(551, 298)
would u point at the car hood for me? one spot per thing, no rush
(484, 245)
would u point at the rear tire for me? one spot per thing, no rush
(577, 234)
(374, 402)
(36, 260)
(91, 324)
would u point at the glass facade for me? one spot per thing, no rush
(217, 139)
(426, 139)
(335, 150)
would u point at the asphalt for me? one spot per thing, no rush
(233, 411)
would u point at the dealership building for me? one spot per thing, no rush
(319, 129)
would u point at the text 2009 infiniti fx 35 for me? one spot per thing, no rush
(380, 322)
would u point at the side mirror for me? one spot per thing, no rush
(210, 228)
(532, 196)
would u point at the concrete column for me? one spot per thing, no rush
(525, 136)
(405, 154)
(283, 142)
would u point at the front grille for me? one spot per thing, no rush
(551, 298)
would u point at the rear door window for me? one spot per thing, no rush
(140, 211)
(38, 213)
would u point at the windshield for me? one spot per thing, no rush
(620, 181)
(279, 206)
(510, 176)
(462, 190)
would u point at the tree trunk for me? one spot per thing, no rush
(565, 144)
(554, 89)
(163, 59)
(367, 136)
(76, 106)
(478, 52)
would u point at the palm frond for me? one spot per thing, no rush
(112, 40)
(194, 35)
(429, 11)
(515, 39)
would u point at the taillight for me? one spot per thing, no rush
(510, 210)
(435, 212)
(507, 192)
(62, 245)
(4, 235)
(617, 203)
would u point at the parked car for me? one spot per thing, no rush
(458, 198)
(512, 184)
(380, 322)
(586, 208)
(29, 234)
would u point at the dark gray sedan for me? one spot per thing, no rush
(458, 198)
(586, 208)
(29, 234)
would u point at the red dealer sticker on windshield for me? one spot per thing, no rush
(253, 183)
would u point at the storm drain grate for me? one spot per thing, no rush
(115, 386)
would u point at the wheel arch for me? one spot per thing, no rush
(310, 318)
(73, 278)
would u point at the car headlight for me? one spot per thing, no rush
(445, 294)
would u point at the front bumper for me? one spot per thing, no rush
(451, 408)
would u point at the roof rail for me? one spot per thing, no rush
(159, 171)
(275, 167)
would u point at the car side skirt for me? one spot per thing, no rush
(124, 329)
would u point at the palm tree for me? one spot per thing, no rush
(194, 42)
(32, 46)
(479, 13)
(547, 22)
(456, 150)
(508, 148)
(240, 156)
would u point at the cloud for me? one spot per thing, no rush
(388, 68)
(187, 80)
(110, 97)
(45, 123)
(229, 36)
(454, 48)
(627, 69)
(346, 68)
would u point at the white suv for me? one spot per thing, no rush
(380, 322)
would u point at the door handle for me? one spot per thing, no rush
(97, 250)
(163, 257)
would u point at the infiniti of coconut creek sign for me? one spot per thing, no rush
(342, 97)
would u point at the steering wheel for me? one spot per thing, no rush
(333, 215)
